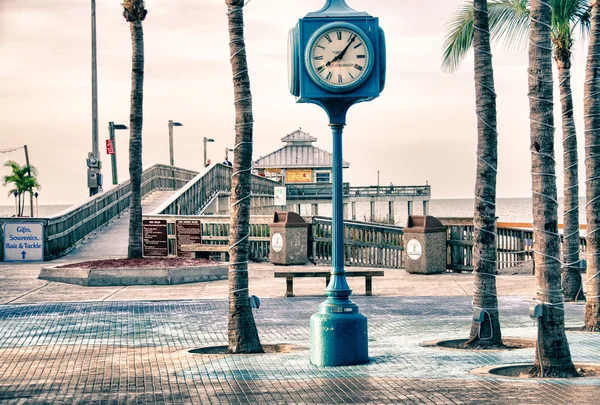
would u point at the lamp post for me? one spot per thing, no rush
(37, 211)
(113, 156)
(15, 193)
(205, 141)
(171, 125)
(227, 150)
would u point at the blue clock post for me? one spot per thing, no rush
(337, 59)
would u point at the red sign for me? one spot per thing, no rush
(110, 150)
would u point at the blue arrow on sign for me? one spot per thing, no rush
(23, 253)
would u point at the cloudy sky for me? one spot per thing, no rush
(422, 128)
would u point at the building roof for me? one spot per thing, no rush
(297, 156)
(298, 136)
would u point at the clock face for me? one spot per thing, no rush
(339, 58)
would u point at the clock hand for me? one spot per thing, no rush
(341, 54)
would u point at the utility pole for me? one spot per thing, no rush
(94, 165)
(29, 173)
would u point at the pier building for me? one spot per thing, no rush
(305, 171)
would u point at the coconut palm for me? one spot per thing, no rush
(23, 180)
(553, 356)
(486, 333)
(135, 12)
(243, 334)
(509, 24)
(592, 166)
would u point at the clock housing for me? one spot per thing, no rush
(339, 57)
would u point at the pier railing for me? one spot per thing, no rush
(201, 191)
(323, 191)
(365, 244)
(65, 229)
(515, 245)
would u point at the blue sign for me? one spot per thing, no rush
(336, 58)
(23, 241)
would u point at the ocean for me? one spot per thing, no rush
(508, 210)
(44, 210)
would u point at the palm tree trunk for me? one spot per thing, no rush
(135, 139)
(487, 333)
(571, 275)
(242, 331)
(552, 355)
(592, 169)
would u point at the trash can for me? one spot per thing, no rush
(424, 245)
(289, 239)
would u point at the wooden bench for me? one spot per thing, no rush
(198, 249)
(367, 274)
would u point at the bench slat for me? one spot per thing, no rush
(350, 273)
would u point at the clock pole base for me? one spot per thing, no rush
(338, 335)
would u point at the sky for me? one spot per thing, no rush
(422, 127)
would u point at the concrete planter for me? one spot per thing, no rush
(134, 276)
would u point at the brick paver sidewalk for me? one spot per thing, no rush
(136, 352)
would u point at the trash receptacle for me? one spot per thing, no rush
(289, 239)
(424, 245)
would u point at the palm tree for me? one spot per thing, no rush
(553, 356)
(17, 179)
(23, 180)
(592, 166)
(135, 12)
(485, 300)
(509, 23)
(242, 331)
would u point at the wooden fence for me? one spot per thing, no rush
(365, 244)
(514, 245)
(64, 230)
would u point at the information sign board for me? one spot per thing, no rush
(280, 196)
(110, 150)
(187, 232)
(299, 176)
(155, 243)
(23, 241)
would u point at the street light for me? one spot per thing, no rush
(171, 125)
(37, 211)
(15, 193)
(205, 141)
(113, 156)
(227, 150)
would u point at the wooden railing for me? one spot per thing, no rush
(514, 245)
(65, 229)
(215, 231)
(365, 244)
(197, 195)
(324, 191)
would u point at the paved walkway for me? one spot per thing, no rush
(68, 344)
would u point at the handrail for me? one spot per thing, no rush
(314, 191)
(196, 196)
(63, 230)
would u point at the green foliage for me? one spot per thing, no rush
(22, 180)
(509, 26)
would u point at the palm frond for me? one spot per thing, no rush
(509, 24)
(459, 37)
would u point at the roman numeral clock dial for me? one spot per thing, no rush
(339, 58)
